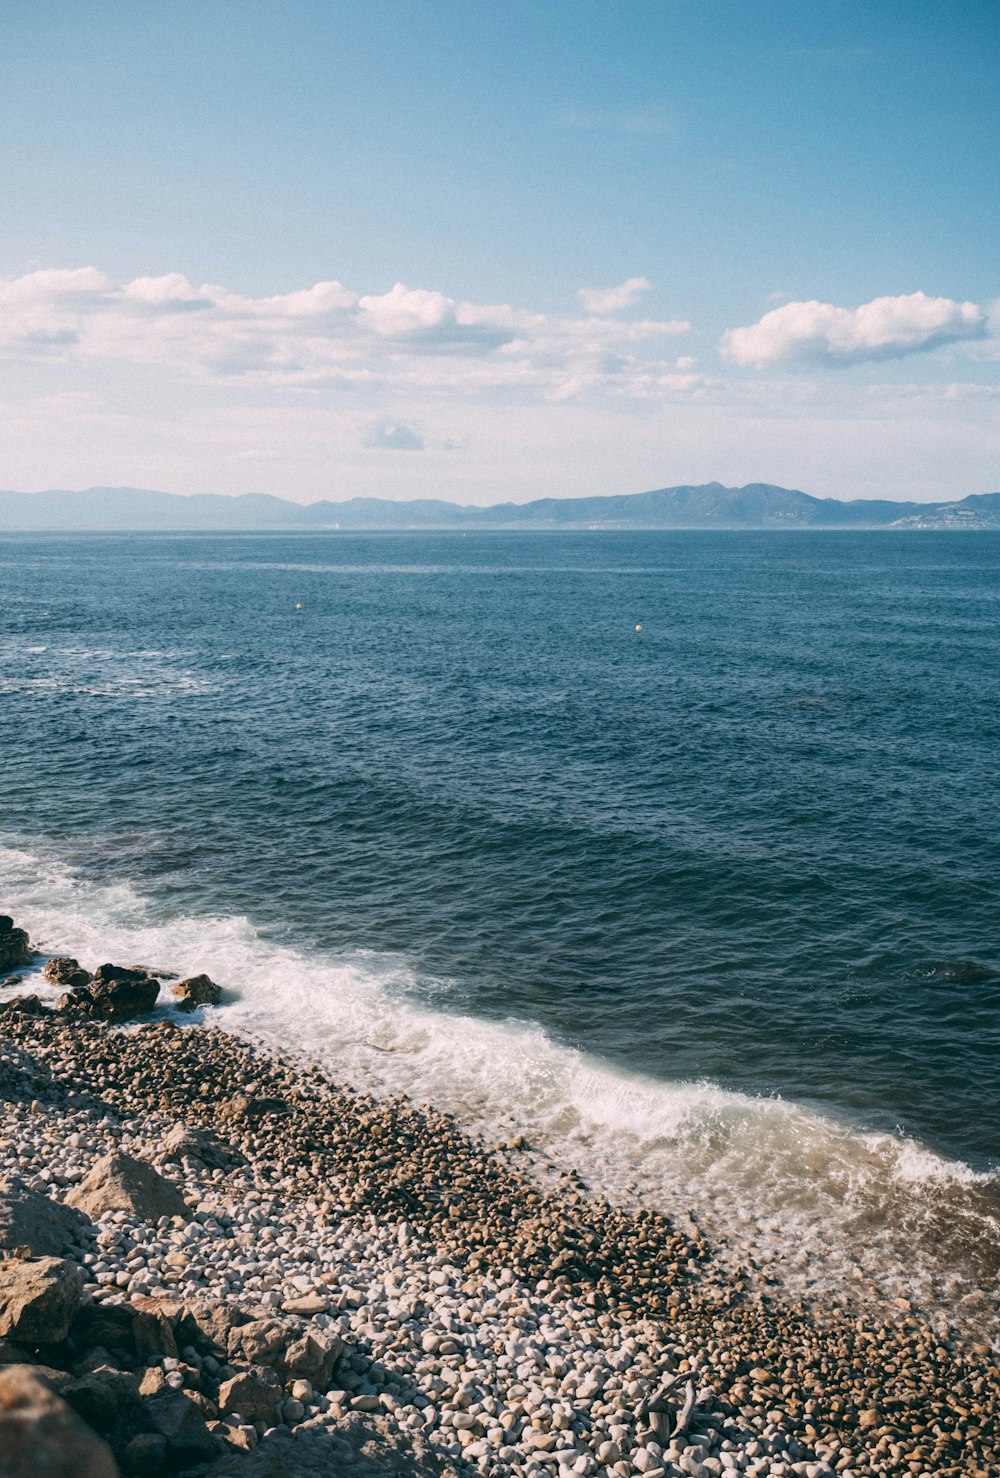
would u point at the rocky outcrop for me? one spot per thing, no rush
(195, 991)
(41, 1436)
(252, 1394)
(14, 950)
(39, 1298)
(116, 993)
(64, 970)
(30, 1220)
(120, 1182)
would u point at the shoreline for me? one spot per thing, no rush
(552, 1318)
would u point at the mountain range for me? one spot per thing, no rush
(709, 505)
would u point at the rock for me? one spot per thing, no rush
(39, 1298)
(41, 1435)
(119, 1182)
(253, 1394)
(242, 1107)
(174, 1417)
(182, 1143)
(119, 996)
(99, 1395)
(64, 970)
(23, 1006)
(153, 1337)
(197, 990)
(209, 1325)
(262, 1341)
(308, 1305)
(29, 1219)
(11, 980)
(14, 950)
(146, 1453)
(313, 1358)
(108, 1326)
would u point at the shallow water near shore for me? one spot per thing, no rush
(707, 909)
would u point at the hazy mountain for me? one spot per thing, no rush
(757, 506)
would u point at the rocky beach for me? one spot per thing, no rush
(216, 1261)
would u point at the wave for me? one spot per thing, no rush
(817, 1204)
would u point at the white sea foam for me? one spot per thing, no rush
(820, 1202)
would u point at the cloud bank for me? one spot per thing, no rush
(820, 333)
(329, 336)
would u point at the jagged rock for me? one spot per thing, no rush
(108, 1326)
(119, 1182)
(117, 996)
(14, 950)
(182, 1143)
(64, 970)
(23, 1006)
(39, 1298)
(253, 1394)
(176, 1418)
(153, 1337)
(359, 1448)
(196, 990)
(262, 1341)
(100, 1394)
(41, 1435)
(208, 1326)
(313, 1357)
(29, 1219)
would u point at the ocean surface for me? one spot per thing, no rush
(707, 908)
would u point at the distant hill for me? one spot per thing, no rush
(759, 505)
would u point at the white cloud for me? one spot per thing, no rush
(885, 328)
(614, 299)
(328, 337)
(392, 436)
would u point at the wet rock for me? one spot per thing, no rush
(252, 1394)
(64, 970)
(117, 996)
(39, 1298)
(23, 1006)
(195, 991)
(29, 1219)
(14, 949)
(119, 1182)
(41, 1436)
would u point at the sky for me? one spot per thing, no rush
(487, 251)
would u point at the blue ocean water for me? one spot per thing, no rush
(748, 851)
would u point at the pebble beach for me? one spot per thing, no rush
(470, 1316)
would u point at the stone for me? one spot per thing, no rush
(195, 991)
(176, 1418)
(253, 1394)
(39, 1298)
(262, 1341)
(64, 970)
(100, 1394)
(146, 1453)
(120, 996)
(313, 1358)
(120, 1182)
(40, 1434)
(182, 1143)
(14, 950)
(153, 1336)
(32, 1220)
(23, 1006)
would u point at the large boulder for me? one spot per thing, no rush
(64, 970)
(14, 950)
(313, 1357)
(39, 1298)
(195, 991)
(177, 1419)
(117, 994)
(119, 1182)
(29, 1219)
(41, 1436)
(252, 1394)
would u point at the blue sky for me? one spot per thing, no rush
(483, 251)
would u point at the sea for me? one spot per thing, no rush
(676, 853)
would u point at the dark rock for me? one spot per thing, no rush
(23, 1006)
(242, 1107)
(125, 974)
(64, 970)
(146, 1453)
(39, 1298)
(106, 1325)
(118, 997)
(14, 950)
(197, 990)
(153, 1337)
(176, 1418)
(11, 980)
(29, 1219)
(119, 1182)
(101, 1395)
(41, 1435)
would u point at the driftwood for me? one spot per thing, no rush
(657, 1411)
(686, 1413)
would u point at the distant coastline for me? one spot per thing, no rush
(707, 505)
